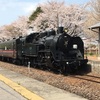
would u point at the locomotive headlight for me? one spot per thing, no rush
(75, 46)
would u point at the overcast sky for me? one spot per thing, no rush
(10, 10)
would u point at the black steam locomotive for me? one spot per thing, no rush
(51, 50)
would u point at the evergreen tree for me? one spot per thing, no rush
(35, 14)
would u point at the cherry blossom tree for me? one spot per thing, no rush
(15, 29)
(92, 18)
(58, 14)
(3, 33)
(95, 7)
(20, 26)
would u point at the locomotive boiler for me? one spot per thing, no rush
(51, 50)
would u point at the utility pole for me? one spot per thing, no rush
(57, 20)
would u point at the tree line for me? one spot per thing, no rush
(75, 18)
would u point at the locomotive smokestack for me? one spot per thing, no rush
(60, 29)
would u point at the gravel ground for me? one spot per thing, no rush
(87, 89)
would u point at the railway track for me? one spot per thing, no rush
(91, 78)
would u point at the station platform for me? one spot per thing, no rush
(7, 93)
(15, 86)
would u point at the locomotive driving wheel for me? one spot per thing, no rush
(44, 60)
(40, 60)
(49, 60)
